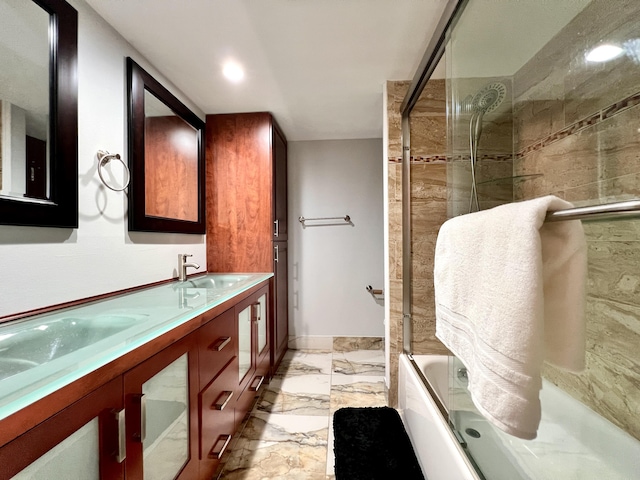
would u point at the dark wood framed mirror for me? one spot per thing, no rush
(166, 158)
(39, 112)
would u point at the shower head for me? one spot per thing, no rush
(489, 98)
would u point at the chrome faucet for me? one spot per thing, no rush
(182, 266)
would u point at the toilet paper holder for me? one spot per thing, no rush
(374, 292)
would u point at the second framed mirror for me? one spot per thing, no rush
(166, 156)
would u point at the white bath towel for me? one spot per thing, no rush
(510, 293)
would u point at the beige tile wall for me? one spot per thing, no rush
(577, 125)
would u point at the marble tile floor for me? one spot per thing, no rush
(289, 432)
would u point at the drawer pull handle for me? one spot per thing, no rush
(257, 382)
(143, 418)
(256, 312)
(222, 439)
(219, 405)
(220, 344)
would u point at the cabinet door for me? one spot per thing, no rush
(81, 441)
(253, 336)
(279, 153)
(161, 402)
(246, 358)
(280, 327)
(250, 313)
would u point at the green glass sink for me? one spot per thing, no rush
(25, 345)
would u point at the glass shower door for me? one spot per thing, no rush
(543, 99)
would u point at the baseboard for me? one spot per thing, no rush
(335, 343)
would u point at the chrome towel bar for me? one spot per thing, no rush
(346, 219)
(613, 211)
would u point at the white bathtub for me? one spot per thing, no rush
(438, 452)
(573, 441)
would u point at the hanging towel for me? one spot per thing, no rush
(510, 294)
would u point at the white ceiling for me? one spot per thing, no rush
(318, 65)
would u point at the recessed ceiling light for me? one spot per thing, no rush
(604, 53)
(233, 72)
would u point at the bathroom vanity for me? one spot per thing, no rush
(152, 383)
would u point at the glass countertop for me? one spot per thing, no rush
(44, 353)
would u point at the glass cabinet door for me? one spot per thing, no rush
(244, 342)
(159, 395)
(85, 440)
(165, 440)
(75, 457)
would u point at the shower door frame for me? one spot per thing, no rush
(433, 54)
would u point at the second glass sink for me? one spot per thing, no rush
(215, 281)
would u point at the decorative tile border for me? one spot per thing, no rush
(428, 159)
(439, 159)
(630, 101)
(560, 134)
(493, 157)
(591, 120)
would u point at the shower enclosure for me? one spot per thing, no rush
(517, 99)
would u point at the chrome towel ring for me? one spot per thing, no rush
(105, 157)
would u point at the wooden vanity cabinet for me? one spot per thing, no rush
(80, 441)
(247, 229)
(170, 415)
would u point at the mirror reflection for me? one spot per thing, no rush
(171, 161)
(24, 100)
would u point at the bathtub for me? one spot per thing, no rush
(573, 441)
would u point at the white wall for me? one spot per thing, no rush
(46, 266)
(330, 266)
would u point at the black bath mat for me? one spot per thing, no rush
(372, 444)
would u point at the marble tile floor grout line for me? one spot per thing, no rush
(289, 432)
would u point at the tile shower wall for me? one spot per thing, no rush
(577, 124)
(429, 210)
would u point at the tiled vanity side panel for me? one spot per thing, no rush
(578, 125)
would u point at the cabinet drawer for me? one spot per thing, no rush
(216, 345)
(217, 420)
